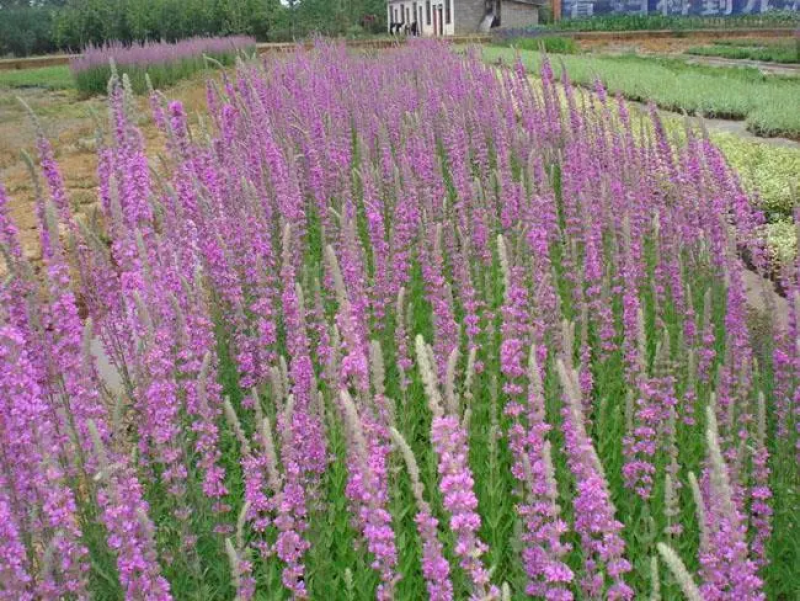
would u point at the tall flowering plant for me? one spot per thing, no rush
(393, 326)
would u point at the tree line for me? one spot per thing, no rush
(29, 27)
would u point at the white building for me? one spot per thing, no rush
(433, 17)
(451, 17)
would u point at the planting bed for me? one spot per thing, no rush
(396, 327)
(783, 51)
(163, 63)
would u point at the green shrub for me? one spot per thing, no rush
(553, 45)
(777, 115)
(84, 22)
(782, 240)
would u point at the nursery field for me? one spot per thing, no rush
(393, 326)
(770, 105)
(781, 51)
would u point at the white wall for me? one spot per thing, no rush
(425, 28)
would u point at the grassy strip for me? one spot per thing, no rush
(53, 78)
(770, 105)
(162, 75)
(777, 115)
(775, 52)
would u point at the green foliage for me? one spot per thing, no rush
(553, 45)
(47, 26)
(770, 105)
(777, 115)
(84, 22)
(330, 17)
(25, 31)
(783, 51)
(782, 240)
(54, 78)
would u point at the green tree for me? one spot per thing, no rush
(25, 30)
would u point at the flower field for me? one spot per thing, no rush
(163, 62)
(396, 326)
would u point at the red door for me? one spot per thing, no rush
(435, 22)
(441, 20)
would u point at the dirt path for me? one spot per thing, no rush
(739, 128)
(67, 123)
(761, 297)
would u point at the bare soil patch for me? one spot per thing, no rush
(69, 124)
(644, 45)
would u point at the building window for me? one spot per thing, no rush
(448, 12)
(415, 12)
(428, 11)
(408, 15)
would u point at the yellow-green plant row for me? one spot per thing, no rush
(782, 240)
(772, 172)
